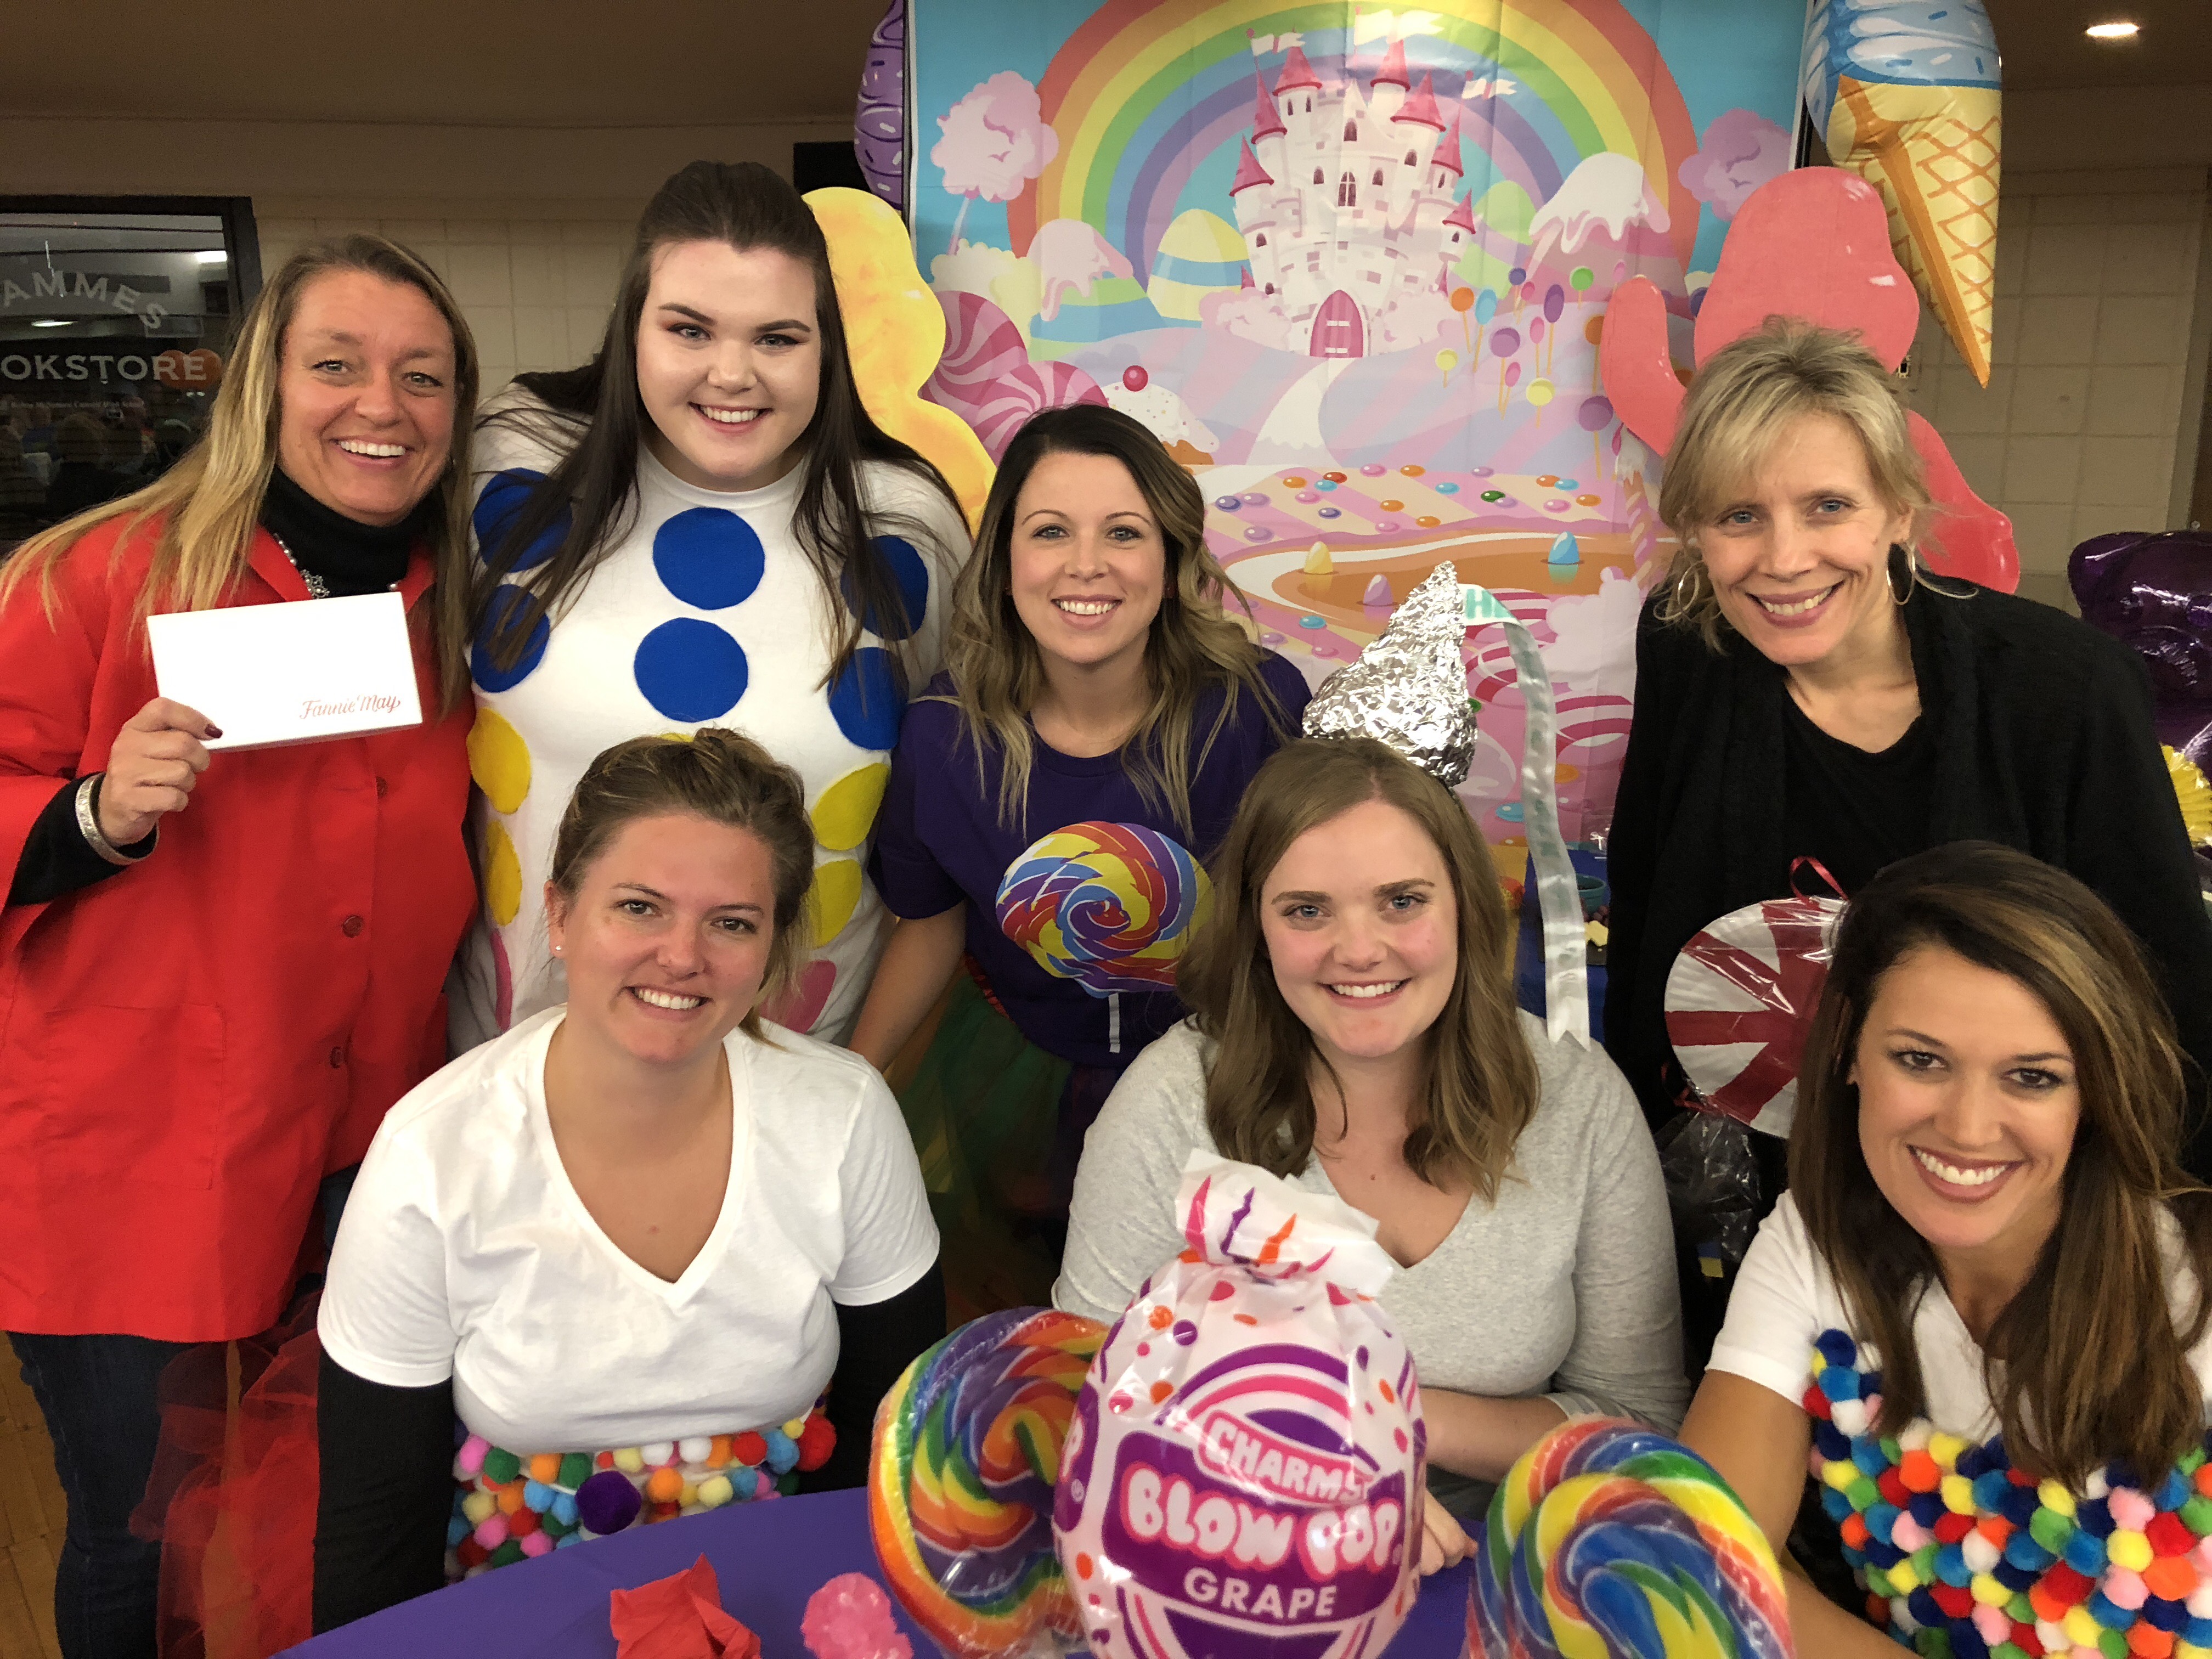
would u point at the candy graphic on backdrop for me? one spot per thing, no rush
(1110, 906)
(1609, 1539)
(961, 1475)
(1237, 1478)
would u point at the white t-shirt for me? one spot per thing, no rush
(708, 612)
(465, 1253)
(1785, 1298)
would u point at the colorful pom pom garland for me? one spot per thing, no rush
(1965, 1557)
(510, 1507)
(961, 1478)
(1609, 1539)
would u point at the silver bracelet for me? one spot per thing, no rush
(87, 823)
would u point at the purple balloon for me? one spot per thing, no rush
(879, 122)
(2152, 591)
(1517, 275)
(1595, 413)
(1555, 301)
(1505, 341)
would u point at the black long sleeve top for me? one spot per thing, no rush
(2041, 738)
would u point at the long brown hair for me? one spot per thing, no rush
(997, 672)
(1479, 1085)
(209, 503)
(595, 414)
(724, 777)
(2086, 1362)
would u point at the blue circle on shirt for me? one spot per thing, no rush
(709, 557)
(692, 670)
(912, 576)
(864, 699)
(500, 507)
(507, 600)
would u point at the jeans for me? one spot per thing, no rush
(98, 1393)
(99, 1397)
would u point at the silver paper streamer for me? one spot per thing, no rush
(1559, 896)
(1409, 688)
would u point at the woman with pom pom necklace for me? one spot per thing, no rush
(1981, 1306)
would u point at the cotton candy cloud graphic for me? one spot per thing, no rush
(995, 142)
(1743, 150)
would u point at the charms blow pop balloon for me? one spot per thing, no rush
(1240, 1479)
(960, 1482)
(1110, 906)
(1609, 1541)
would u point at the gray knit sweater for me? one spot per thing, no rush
(1564, 1287)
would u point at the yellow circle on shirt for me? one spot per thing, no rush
(502, 876)
(836, 891)
(499, 761)
(847, 810)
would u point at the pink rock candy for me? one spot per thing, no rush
(850, 1618)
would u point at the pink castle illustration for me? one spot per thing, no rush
(1346, 200)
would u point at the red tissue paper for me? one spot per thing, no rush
(678, 1617)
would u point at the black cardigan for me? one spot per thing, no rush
(2043, 741)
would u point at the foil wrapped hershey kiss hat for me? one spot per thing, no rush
(1408, 689)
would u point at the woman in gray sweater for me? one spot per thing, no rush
(1355, 1032)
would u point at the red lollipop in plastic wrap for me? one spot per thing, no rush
(1740, 1004)
(1241, 1479)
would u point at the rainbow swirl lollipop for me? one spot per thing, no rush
(1110, 906)
(961, 1476)
(1609, 1540)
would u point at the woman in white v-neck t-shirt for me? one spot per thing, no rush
(631, 1243)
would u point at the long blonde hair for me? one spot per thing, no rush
(1739, 404)
(209, 503)
(997, 672)
(1480, 1087)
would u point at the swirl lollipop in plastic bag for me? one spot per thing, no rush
(961, 1474)
(1110, 906)
(1609, 1540)
(1241, 1477)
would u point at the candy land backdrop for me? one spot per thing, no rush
(1350, 264)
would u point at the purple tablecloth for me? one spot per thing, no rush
(771, 1558)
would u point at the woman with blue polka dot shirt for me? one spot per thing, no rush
(703, 524)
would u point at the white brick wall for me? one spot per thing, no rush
(536, 291)
(2083, 424)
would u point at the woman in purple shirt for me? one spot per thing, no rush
(1050, 803)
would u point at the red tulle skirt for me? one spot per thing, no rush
(233, 1491)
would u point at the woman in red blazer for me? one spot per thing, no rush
(216, 971)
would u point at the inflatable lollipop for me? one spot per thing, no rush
(1606, 1540)
(1248, 1444)
(1110, 906)
(960, 1481)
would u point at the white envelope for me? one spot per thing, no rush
(291, 672)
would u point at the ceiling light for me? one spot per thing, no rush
(50, 322)
(2113, 31)
(212, 256)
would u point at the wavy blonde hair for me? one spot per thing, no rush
(1479, 1085)
(1743, 398)
(1194, 645)
(209, 503)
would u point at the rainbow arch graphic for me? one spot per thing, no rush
(1145, 90)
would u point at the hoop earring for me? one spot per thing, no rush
(1690, 586)
(1900, 558)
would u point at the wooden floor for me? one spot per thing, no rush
(30, 1523)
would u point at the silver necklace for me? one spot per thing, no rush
(317, 587)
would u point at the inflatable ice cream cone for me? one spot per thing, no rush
(1933, 153)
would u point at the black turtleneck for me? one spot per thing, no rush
(350, 556)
